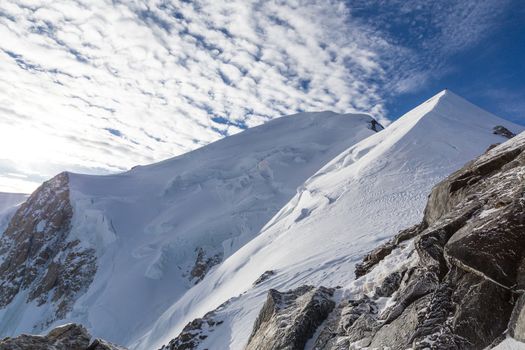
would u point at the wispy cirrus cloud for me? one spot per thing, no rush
(102, 86)
(425, 34)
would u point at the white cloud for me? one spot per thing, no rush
(102, 86)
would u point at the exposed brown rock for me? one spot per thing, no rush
(203, 264)
(37, 255)
(68, 337)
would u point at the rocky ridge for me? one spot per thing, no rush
(416, 304)
(37, 257)
(196, 331)
(287, 320)
(462, 282)
(203, 264)
(67, 337)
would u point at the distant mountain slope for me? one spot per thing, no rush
(114, 252)
(364, 196)
(8, 204)
(8, 200)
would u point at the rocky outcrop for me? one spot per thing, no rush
(264, 277)
(288, 319)
(375, 126)
(378, 254)
(503, 131)
(37, 257)
(203, 264)
(349, 317)
(461, 286)
(196, 331)
(67, 337)
(517, 320)
(466, 290)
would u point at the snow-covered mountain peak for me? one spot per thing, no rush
(296, 201)
(446, 126)
(365, 195)
(157, 230)
(449, 106)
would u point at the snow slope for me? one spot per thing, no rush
(150, 224)
(362, 197)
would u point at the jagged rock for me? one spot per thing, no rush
(265, 276)
(288, 319)
(37, 256)
(99, 344)
(396, 335)
(503, 131)
(492, 246)
(482, 310)
(354, 310)
(389, 285)
(68, 337)
(375, 256)
(203, 264)
(352, 320)
(73, 336)
(375, 125)
(466, 290)
(191, 335)
(517, 320)
(372, 258)
(196, 331)
(421, 283)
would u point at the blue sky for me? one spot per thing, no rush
(489, 73)
(100, 86)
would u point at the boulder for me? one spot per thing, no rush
(288, 319)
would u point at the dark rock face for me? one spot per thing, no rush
(203, 264)
(264, 277)
(288, 319)
(503, 131)
(351, 320)
(99, 344)
(464, 287)
(517, 320)
(38, 257)
(396, 334)
(378, 254)
(375, 126)
(67, 337)
(196, 331)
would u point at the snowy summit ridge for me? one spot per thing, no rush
(157, 230)
(363, 196)
(297, 201)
